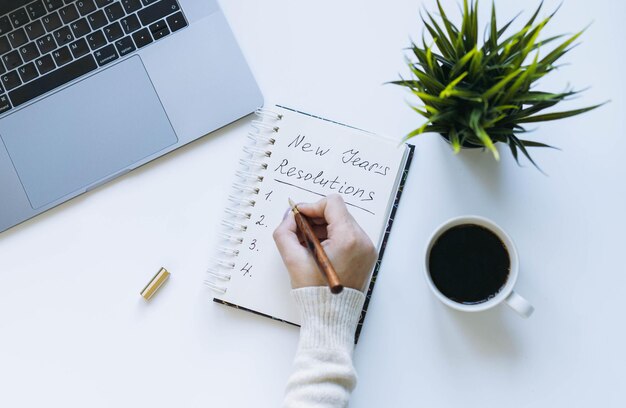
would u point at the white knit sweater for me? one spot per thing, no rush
(323, 373)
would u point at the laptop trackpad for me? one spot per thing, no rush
(82, 134)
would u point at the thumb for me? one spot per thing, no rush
(286, 238)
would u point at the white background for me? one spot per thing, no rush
(74, 331)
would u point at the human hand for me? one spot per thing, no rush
(348, 247)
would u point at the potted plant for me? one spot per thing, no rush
(477, 95)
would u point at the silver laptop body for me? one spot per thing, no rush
(92, 89)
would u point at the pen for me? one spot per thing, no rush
(317, 250)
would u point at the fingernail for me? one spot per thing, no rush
(286, 213)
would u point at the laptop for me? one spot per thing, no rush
(92, 89)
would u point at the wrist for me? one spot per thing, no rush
(328, 320)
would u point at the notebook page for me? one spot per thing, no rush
(310, 159)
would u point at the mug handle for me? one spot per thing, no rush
(519, 304)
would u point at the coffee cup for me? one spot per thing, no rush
(472, 265)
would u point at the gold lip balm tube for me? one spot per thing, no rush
(155, 283)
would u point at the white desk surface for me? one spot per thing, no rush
(75, 333)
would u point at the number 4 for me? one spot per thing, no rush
(246, 269)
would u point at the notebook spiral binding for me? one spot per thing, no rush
(243, 197)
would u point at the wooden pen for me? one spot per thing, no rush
(316, 249)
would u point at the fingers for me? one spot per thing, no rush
(313, 211)
(332, 209)
(285, 236)
(299, 262)
(348, 247)
(320, 231)
(287, 233)
(317, 221)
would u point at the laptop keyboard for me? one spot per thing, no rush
(48, 43)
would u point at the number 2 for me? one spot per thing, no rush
(260, 221)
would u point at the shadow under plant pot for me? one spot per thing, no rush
(464, 145)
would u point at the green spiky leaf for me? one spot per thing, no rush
(480, 92)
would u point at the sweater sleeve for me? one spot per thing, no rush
(323, 374)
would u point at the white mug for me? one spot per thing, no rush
(506, 293)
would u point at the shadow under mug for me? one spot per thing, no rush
(506, 293)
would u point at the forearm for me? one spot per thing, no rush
(323, 373)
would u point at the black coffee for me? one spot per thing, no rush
(469, 264)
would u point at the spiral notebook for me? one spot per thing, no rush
(305, 157)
